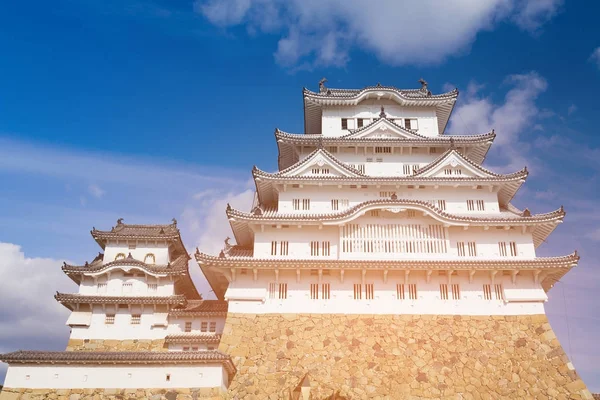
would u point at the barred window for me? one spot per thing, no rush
(102, 287)
(326, 246)
(212, 327)
(480, 205)
(412, 291)
(471, 205)
(152, 287)
(499, 291)
(188, 326)
(314, 291)
(513, 249)
(369, 291)
(455, 291)
(384, 150)
(203, 326)
(400, 291)
(109, 319)
(272, 290)
(325, 291)
(283, 291)
(487, 292)
(472, 249)
(460, 246)
(444, 291)
(357, 291)
(502, 249)
(136, 319)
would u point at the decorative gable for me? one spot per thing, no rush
(320, 163)
(382, 128)
(452, 164)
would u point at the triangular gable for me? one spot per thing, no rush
(453, 164)
(320, 163)
(382, 128)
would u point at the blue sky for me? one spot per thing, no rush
(150, 110)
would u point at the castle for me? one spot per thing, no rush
(381, 261)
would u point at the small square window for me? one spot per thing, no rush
(188, 326)
(109, 319)
(212, 327)
(204, 326)
(168, 377)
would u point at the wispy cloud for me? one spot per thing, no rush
(322, 33)
(595, 56)
(96, 191)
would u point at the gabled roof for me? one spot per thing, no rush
(383, 124)
(509, 184)
(319, 158)
(183, 283)
(473, 146)
(68, 300)
(123, 231)
(315, 101)
(554, 267)
(119, 357)
(544, 223)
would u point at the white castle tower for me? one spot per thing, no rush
(381, 253)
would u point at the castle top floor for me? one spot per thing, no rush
(335, 112)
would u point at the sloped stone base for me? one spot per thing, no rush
(399, 357)
(116, 345)
(95, 394)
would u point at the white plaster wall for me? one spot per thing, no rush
(385, 301)
(159, 249)
(118, 377)
(177, 325)
(122, 329)
(116, 278)
(320, 197)
(299, 241)
(332, 126)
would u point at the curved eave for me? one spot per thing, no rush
(68, 300)
(217, 282)
(475, 147)
(102, 237)
(313, 103)
(553, 267)
(268, 193)
(241, 221)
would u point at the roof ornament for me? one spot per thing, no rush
(129, 256)
(120, 221)
(228, 246)
(320, 142)
(162, 231)
(228, 207)
(86, 264)
(257, 211)
(394, 196)
(452, 144)
(526, 213)
(382, 113)
(424, 88)
(174, 221)
(378, 84)
(322, 88)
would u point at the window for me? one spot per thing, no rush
(338, 204)
(314, 248)
(314, 291)
(195, 348)
(362, 122)
(386, 194)
(204, 326)
(499, 291)
(480, 205)
(109, 319)
(411, 123)
(273, 248)
(357, 291)
(383, 150)
(150, 258)
(502, 249)
(326, 246)
(152, 287)
(369, 291)
(370, 159)
(359, 167)
(325, 291)
(136, 319)
(320, 171)
(455, 291)
(283, 291)
(306, 204)
(210, 348)
(470, 205)
(460, 246)
(406, 169)
(433, 150)
(332, 149)
(272, 290)
(513, 249)
(120, 256)
(283, 250)
(400, 291)
(441, 204)
(411, 213)
(379, 159)
(188, 326)
(412, 291)
(444, 291)
(447, 171)
(127, 287)
(168, 377)
(458, 171)
(296, 204)
(212, 327)
(102, 288)
(344, 123)
(487, 292)
(472, 249)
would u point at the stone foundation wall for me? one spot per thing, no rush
(121, 394)
(116, 345)
(399, 357)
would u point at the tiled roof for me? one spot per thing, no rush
(463, 158)
(176, 267)
(325, 154)
(193, 338)
(405, 93)
(69, 299)
(118, 357)
(201, 307)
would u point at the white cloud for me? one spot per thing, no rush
(594, 235)
(595, 57)
(30, 316)
(510, 119)
(96, 191)
(323, 32)
(572, 108)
